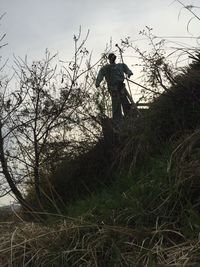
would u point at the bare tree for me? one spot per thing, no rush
(9, 103)
(52, 112)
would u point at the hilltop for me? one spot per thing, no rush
(130, 200)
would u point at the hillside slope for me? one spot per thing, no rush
(133, 203)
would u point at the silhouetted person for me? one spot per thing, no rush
(114, 76)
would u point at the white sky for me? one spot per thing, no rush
(32, 26)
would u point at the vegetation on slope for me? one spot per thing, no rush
(146, 214)
(130, 198)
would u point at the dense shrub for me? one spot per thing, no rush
(76, 178)
(85, 174)
(177, 109)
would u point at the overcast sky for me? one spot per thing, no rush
(31, 26)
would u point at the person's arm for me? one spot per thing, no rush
(100, 77)
(127, 70)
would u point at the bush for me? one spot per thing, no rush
(177, 109)
(76, 178)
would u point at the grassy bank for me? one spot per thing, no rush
(146, 218)
(134, 202)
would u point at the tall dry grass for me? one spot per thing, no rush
(73, 243)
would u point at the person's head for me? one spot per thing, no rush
(111, 58)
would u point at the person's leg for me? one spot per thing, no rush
(116, 106)
(126, 105)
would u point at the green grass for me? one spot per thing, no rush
(136, 222)
(132, 200)
(149, 217)
(146, 213)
